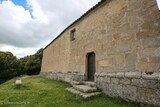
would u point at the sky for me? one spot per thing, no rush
(28, 25)
(158, 2)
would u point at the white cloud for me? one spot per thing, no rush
(22, 34)
(21, 53)
(158, 2)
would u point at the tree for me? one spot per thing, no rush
(31, 65)
(9, 65)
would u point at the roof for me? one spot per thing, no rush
(85, 14)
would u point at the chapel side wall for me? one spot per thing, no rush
(56, 56)
(124, 36)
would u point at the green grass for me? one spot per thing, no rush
(40, 92)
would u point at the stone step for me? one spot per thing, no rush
(75, 83)
(85, 88)
(84, 95)
(89, 83)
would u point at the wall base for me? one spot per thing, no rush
(136, 86)
(67, 77)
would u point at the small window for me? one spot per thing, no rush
(73, 34)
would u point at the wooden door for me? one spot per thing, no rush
(91, 66)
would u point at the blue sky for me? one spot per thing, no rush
(24, 4)
(19, 2)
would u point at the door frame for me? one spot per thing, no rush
(87, 70)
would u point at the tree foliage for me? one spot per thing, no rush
(10, 66)
(31, 65)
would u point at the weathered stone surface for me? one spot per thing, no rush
(120, 74)
(120, 60)
(150, 75)
(85, 88)
(115, 90)
(107, 79)
(104, 63)
(131, 59)
(114, 81)
(111, 74)
(125, 81)
(105, 87)
(151, 42)
(75, 83)
(133, 74)
(67, 77)
(84, 95)
(130, 92)
(89, 83)
(154, 84)
(148, 96)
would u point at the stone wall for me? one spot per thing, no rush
(136, 86)
(142, 87)
(125, 37)
(67, 77)
(123, 34)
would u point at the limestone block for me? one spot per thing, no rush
(142, 34)
(111, 74)
(130, 92)
(154, 15)
(67, 78)
(153, 59)
(120, 74)
(148, 67)
(120, 60)
(133, 74)
(85, 88)
(105, 87)
(123, 45)
(131, 59)
(149, 52)
(105, 63)
(107, 79)
(115, 90)
(151, 75)
(102, 74)
(151, 42)
(153, 84)
(148, 96)
(125, 81)
(114, 80)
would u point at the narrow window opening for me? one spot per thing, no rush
(73, 34)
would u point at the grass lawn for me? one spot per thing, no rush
(40, 92)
